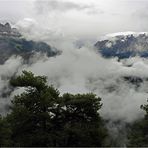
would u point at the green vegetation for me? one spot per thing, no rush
(41, 117)
(138, 135)
(5, 133)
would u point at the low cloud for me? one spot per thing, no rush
(60, 6)
(83, 71)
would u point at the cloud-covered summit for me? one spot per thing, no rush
(87, 19)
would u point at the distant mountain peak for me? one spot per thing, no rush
(121, 35)
(13, 44)
(7, 30)
(124, 45)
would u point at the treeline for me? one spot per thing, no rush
(41, 117)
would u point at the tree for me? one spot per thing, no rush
(5, 133)
(138, 135)
(31, 111)
(79, 120)
(41, 117)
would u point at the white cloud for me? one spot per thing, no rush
(64, 22)
(84, 71)
(85, 20)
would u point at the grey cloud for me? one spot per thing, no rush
(81, 71)
(83, 68)
(62, 6)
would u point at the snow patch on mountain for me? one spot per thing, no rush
(113, 36)
(124, 45)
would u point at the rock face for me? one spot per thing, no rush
(6, 30)
(124, 46)
(13, 44)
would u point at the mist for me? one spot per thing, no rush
(83, 70)
(59, 20)
(73, 27)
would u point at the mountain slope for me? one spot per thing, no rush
(12, 43)
(124, 46)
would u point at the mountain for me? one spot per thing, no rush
(12, 43)
(124, 45)
(7, 30)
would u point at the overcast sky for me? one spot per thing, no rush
(61, 21)
(85, 18)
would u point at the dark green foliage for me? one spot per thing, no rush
(5, 133)
(40, 117)
(138, 135)
(31, 110)
(79, 121)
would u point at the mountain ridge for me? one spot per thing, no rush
(124, 45)
(13, 43)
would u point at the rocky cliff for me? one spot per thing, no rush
(6, 30)
(124, 45)
(13, 44)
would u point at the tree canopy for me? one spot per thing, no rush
(138, 134)
(41, 117)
